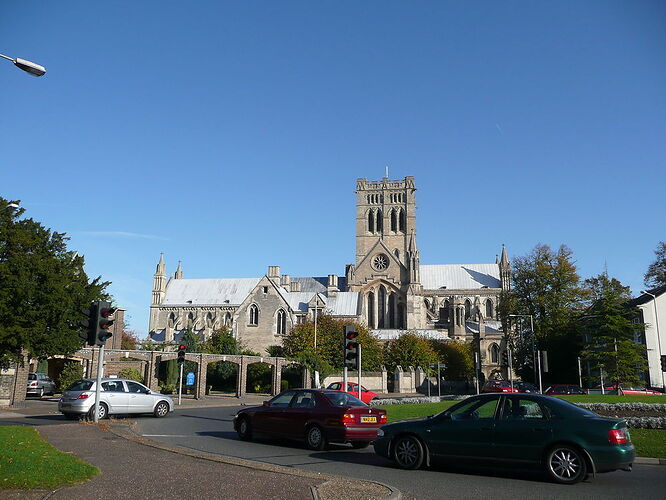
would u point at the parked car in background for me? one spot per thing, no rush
(352, 388)
(631, 389)
(563, 389)
(316, 416)
(527, 387)
(117, 397)
(566, 441)
(40, 384)
(499, 386)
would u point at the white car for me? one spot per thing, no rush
(118, 397)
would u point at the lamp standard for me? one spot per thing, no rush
(656, 320)
(534, 349)
(10, 205)
(29, 67)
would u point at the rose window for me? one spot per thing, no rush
(380, 262)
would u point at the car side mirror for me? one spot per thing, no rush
(147, 391)
(265, 403)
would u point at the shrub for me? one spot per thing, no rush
(131, 373)
(167, 388)
(71, 372)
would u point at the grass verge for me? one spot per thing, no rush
(29, 462)
(648, 442)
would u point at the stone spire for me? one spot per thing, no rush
(179, 272)
(413, 259)
(159, 281)
(505, 270)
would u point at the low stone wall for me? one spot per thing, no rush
(113, 368)
(373, 381)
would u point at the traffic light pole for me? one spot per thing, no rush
(359, 371)
(98, 383)
(344, 379)
(180, 385)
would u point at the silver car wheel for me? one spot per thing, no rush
(161, 409)
(408, 453)
(566, 465)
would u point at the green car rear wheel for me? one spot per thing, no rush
(566, 465)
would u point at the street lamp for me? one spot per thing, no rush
(538, 357)
(29, 67)
(656, 320)
(10, 205)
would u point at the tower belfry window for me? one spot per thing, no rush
(379, 221)
(402, 220)
(394, 222)
(371, 222)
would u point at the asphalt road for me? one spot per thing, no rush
(211, 430)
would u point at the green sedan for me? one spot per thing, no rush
(567, 441)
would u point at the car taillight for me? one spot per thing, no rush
(33, 384)
(383, 419)
(348, 418)
(83, 396)
(618, 436)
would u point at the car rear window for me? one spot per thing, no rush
(81, 385)
(343, 399)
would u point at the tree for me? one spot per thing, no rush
(410, 349)
(610, 331)
(129, 340)
(656, 272)
(546, 285)
(298, 344)
(222, 341)
(43, 287)
(70, 373)
(131, 374)
(458, 357)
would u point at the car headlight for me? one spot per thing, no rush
(380, 433)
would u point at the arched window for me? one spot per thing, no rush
(381, 307)
(254, 315)
(190, 320)
(172, 320)
(468, 309)
(209, 320)
(394, 221)
(379, 221)
(494, 353)
(401, 315)
(281, 325)
(227, 320)
(489, 308)
(396, 252)
(371, 221)
(402, 220)
(444, 312)
(371, 310)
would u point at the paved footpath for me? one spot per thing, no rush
(131, 469)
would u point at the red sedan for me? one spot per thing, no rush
(317, 416)
(632, 390)
(352, 388)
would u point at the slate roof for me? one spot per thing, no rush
(460, 276)
(343, 304)
(219, 291)
(644, 298)
(390, 334)
(318, 284)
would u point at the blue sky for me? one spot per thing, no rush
(230, 135)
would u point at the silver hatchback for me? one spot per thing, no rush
(117, 397)
(40, 384)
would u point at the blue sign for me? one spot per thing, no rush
(190, 378)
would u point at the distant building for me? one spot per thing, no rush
(387, 288)
(652, 306)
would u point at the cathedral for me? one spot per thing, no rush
(387, 289)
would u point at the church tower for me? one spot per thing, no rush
(385, 210)
(159, 282)
(505, 271)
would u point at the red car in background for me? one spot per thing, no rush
(499, 386)
(352, 388)
(317, 416)
(631, 390)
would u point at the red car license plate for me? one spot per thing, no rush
(368, 419)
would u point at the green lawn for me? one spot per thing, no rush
(27, 462)
(648, 442)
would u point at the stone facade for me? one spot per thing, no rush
(387, 288)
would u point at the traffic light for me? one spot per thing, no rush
(181, 354)
(663, 362)
(103, 311)
(89, 334)
(505, 357)
(351, 347)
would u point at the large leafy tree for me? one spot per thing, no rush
(546, 285)
(43, 287)
(458, 357)
(656, 272)
(410, 349)
(298, 344)
(610, 331)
